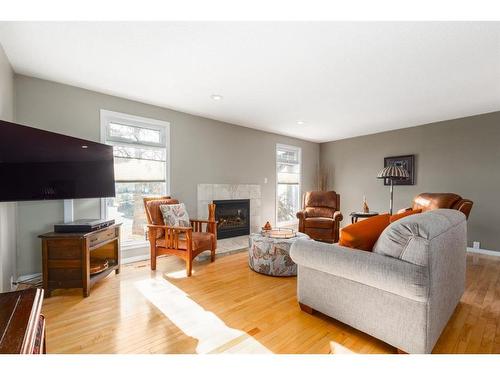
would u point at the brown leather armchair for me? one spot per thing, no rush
(184, 242)
(432, 201)
(320, 217)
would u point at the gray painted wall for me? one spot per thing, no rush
(460, 156)
(7, 210)
(202, 151)
(457, 155)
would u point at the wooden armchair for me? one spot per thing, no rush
(184, 242)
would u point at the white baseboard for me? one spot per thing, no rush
(483, 251)
(31, 279)
(127, 260)
(28, 277)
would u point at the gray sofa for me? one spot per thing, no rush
(403, 292)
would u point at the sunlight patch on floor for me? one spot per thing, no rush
(336, 348)
(213, 335)
(179, 274)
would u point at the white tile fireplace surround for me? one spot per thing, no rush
(210, 192)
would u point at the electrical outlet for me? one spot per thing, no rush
(476, 245)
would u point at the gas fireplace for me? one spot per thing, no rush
(233, 217)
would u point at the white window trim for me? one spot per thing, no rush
(291, 148)
(142, 122)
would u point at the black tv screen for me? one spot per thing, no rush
(38, 165)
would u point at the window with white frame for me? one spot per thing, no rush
(288, 167)
(141, 159)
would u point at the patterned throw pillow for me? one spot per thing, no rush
(175, 215)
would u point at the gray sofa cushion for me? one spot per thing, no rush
(408, 238)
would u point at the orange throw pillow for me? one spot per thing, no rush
(363, 234)
(404, 214)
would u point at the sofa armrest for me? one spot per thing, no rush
(152, 230)
(375, 270)
(166, 227)
(211, 225)
(337, 216)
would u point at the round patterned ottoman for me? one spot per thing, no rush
(271, 256)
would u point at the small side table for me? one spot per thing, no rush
(363, 215)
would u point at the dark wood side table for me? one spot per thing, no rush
(66, 258)
(22, 326)
(361, 215)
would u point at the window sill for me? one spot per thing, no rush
(134, 245)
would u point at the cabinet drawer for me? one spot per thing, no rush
(61, 275)
(64, 249)
(103, 236)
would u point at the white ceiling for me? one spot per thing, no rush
(341, 79)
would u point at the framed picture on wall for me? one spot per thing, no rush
(407, 162)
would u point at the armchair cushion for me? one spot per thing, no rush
(363, 234)
(319, 212)
(154, 214)
(201, 240)
(321, 199)
(175, 215)
(319, 222)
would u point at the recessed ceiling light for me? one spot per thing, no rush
(300, 122)
(85, 146)
(216, 97)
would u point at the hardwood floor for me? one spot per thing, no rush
(226, 307)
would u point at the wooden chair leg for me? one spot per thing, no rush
(212, 252)
(305, 308)
(189, 266)
(153, 259)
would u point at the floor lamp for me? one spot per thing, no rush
(392, 173)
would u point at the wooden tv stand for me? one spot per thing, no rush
(66, 258)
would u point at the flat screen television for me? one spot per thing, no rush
(38, 165)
